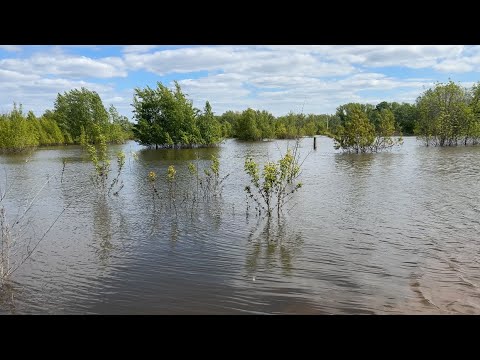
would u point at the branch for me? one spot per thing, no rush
(30, 205)
(43, 236)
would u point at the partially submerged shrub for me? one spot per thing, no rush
(276, 184)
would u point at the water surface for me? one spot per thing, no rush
(387, 233)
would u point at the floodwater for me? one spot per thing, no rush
(388, 233)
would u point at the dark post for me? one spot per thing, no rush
(314, 143)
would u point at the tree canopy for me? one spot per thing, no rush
(166, 118)
(446, 115)
(358, 133)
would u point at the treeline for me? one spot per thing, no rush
(166, 118)
(445, 115)
(78, 116)
(257, 125)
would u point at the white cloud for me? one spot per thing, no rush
(138, 48)
(234, 59)
(412, 56)
(13, 48)
(459, 66)
(276, 78)
(67, 66)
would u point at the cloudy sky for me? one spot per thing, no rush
(275, 78)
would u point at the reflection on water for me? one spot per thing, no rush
(379, 233)
(102, 229)
(273, 242)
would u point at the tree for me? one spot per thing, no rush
(405, 116)
(265, 123)
(210, 129)
(17, 133)
(385, 131)
(77, 109)
(444, 115)
(227, 121)
(166, 118)
(357, 133)
(119, 128)
(246, 126)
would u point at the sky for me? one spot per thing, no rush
(281, 78)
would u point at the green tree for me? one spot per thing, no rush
(444, 115)
(385, 131)
(265, 124)
(165, 118)
(210, 129)
(119, 128)
(246, 126)
(17, 133)
(357, 133)
(77, 109)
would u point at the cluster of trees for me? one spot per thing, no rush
(19, 131)
(166, 118)
(257, 125)
(449, 115)
(357, 132)
(78, 116)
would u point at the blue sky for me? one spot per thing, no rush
(275, 78)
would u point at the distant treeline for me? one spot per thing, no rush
(447, 114)
(78, 116)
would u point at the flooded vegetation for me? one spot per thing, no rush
(243, 212)
(373, 233)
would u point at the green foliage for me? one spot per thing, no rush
(152, 178)
(358, 133)
(171, 172)
(289, 126)
(210, 128)
(172, 187)
(81, 109)
(276, 184)
(79, 117)
(192, 169)
(212, 185)
(166, 118)
(406, 116)
(99, 157)
(119, 129)
(254, 125)
(17, 133)
(446, 116)
(227, 121)
(245, 128)
(385, 131)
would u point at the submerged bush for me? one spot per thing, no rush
(276, 184)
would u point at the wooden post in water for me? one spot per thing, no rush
(314, 143)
